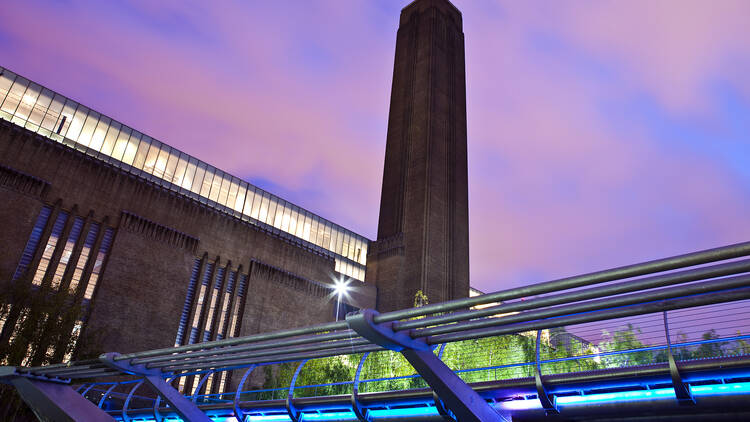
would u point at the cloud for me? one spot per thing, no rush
(600, 133)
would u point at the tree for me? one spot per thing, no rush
(42, 327)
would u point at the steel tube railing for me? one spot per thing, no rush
(594, 305)
(212, 360)
(645, 308)
(331, 326)
(663, 280)
(152, 362)
(687, 260)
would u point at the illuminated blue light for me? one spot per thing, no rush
(403, 412)
(268, 418)
(661, 393)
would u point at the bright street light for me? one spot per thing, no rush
(340, 288)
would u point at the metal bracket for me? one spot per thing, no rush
(457, 396)
(294, 414)
(361, 413)
(681, 390)
(187, 410)
(53, 400)
(547, 401)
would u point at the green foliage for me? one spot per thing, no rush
(40, 331)
(420, 299)
(623, 340)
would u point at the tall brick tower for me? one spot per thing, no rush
(423, 230)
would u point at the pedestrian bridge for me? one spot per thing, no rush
(664, 338)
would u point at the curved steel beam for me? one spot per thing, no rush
(238, 413)
(203, 379)
(125, 405)
(547, 400)
(359, 412)
(104, 396)
(294, 414)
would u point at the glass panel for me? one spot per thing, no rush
(232, 193)
(306, 230)
(110, 138)
(67, 117)
(339, 240)
(53, 113)
(207, 179)
(179, 172)
(77, 124)
(88, 128)
(284, 212)
(240, 201)
(153, 152)
(187, 180)
(172, 160)
(160, 166)
(6, 81)
(216, 186)
(363, 256)
(142, 152)
(300, 223)
(122, 143)
(132, 148)
(345, 244)
(327, 236)
(263, 212)
(28, 100)
(293, 216)
(14, 95)
(257, 199)
(224, 190)
(97, 139)
(199, 176)
(42, 103)
(314, 230)
(276, 212)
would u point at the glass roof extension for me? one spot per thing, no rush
(61, 119)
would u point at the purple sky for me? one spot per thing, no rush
(601, 133)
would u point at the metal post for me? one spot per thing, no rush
(681, 390)
(457, 396)
(547, 401)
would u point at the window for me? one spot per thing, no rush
(199, 306)
(49, 248)
(83, 258)
(188, 302)
(75, 231)
(98, 263)
(32, 243)
(215, 295)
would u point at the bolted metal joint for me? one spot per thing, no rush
(382, 334)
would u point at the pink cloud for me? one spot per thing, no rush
(557, 186)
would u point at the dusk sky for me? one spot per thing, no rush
(600, 133)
